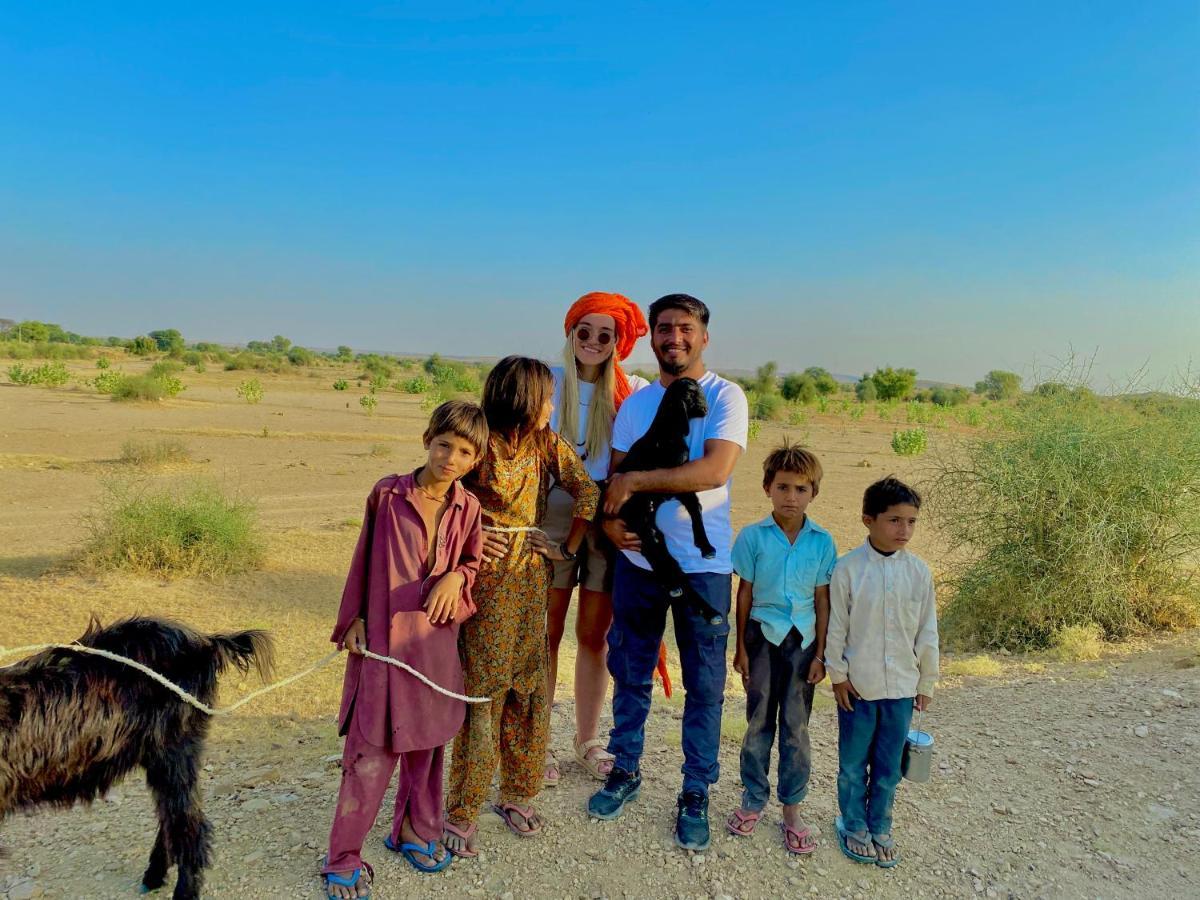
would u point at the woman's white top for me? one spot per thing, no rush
(597, 464)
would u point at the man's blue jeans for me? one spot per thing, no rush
(871, 735)
(640, 606)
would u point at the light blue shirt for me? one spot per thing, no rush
(785, 575)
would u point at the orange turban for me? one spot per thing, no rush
(631, 325)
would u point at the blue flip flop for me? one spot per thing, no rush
(887, 843)
(346, 881)
(409, 851)
(842, 834)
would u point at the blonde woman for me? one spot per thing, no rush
(589, 388)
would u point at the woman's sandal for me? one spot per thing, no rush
(798, 841)
(464, 835)
(595, 761)
(505, 811)
(742, 823)
(885, 842)
(843, 842)
(348, 881)
(410, 851)
(551, 774)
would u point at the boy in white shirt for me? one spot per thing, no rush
(881, 653)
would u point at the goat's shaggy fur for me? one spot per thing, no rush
(72, 724)
(665, 446)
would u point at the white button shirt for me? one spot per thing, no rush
(882, 625)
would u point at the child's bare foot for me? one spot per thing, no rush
(361, 888)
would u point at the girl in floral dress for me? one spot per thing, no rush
(504, 646)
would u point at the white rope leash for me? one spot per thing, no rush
(226, 710)
(512, 529)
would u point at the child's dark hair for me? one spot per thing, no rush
(685, 302)
(888, 492)
(514, 394)
(788, 457)
(461, 418)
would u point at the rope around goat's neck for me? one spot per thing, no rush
(226, 710)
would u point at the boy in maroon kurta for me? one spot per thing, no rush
(408, 590)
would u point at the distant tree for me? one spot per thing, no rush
(168, 340)
(949, 396)
(800, 386)
(824, 382)
(894, 384)
(766, 378)
(301, 356)
(141, 345)
(999, 385)
(865, 389)
(33, 330)
(344, 353)
(280, 344)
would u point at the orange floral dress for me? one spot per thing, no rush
(504, 645)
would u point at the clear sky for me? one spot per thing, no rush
(949, 186)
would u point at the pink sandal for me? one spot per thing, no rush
(804, 842)
(464, 835)
(742, 823)
(506, 809)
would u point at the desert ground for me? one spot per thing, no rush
(1051, 778)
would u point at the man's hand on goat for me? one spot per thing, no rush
(621, 487)
(621, 536)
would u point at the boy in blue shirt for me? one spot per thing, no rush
(785, 563)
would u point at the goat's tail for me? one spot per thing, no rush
(245, 649)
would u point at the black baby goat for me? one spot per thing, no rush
(72, 724)
(665, 446)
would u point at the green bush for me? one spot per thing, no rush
(154, 453)
(187, 530)
(141, 345)
(949, 396)
(910, 442)
(1073, 512)
(340, 384)
(250, 390)
(865, 390)
(144, 387)
(418, 384)
(102, 363)
(754, 430)
(369, 403)
(53, 374)
(767, 407)
(108, 382)
(165, 368)
(894, 384)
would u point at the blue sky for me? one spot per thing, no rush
(952, 187)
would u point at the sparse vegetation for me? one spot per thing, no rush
(1073, 511)
(250, 390)
(340, 385)
(186, 530)
(167, 451)
(139, 387)
(53, 374)
(909, 442)
(369, 403)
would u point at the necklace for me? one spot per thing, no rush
(436, 498)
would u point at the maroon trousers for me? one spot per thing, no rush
(366, 771)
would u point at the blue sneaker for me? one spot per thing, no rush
(619, 788)
(691, 823)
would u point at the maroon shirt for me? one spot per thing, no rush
(389, 580)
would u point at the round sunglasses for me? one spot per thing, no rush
(584, 333)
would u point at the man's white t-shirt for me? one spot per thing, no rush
(727, 420)
(597, 464)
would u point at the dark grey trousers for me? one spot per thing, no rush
(778, 697)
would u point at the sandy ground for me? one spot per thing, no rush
(1051, 779)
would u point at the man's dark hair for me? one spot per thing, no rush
(888, 492)
(685, 302)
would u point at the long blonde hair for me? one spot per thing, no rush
(601, 412)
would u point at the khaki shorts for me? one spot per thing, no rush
(592, 569)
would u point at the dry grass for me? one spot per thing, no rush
(155, 453)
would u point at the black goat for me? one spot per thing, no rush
(72, 724)
(665, 446)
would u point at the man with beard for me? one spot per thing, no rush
(678, 334)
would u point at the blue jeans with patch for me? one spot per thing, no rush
(778, 697)
(640, 605)
(870, 744)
